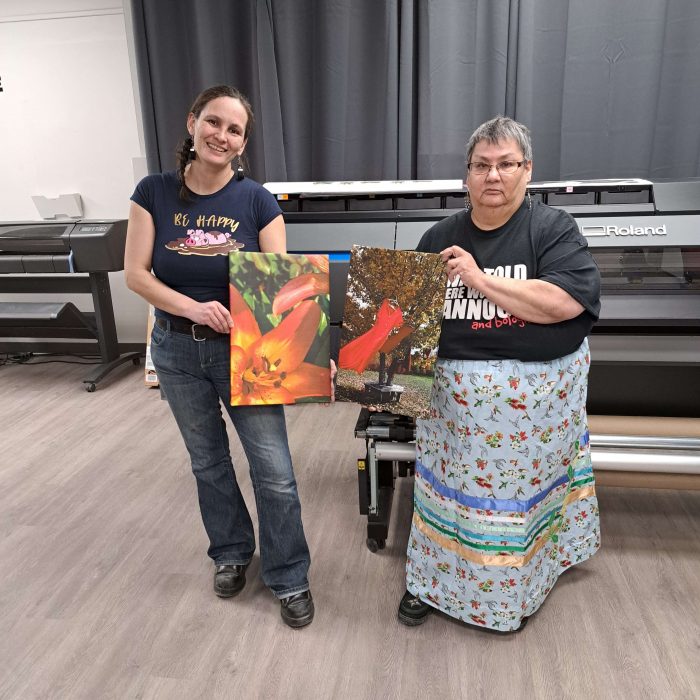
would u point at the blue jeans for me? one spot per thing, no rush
(194, 377)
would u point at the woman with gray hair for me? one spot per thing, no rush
(504, 498)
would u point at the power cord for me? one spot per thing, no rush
(28, 358)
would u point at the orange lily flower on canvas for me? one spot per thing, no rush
(301, 287)
(320, 262)
(270, 368)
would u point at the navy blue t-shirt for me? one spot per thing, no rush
(193, 239)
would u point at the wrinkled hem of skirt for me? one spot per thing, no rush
(533, 605)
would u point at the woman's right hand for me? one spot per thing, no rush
(459, 263)
(212, 314)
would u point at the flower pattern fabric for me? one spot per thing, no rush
(504, 497)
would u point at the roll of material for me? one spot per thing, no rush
(656, 461)
(645, 444)
(644, 425)
(618, 443)
(399, 451)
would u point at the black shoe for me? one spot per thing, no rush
(412, 610)
(298, 609)
(229, 580)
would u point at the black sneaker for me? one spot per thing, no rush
(412, 610)
(297, 610)
(229, 579)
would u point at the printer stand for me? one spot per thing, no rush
(62, 320)
(390, 453)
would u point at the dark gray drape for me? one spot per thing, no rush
(610, 89)
(459, 51)
(337, 69)
(371, 89)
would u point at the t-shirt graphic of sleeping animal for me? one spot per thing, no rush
(193, 239)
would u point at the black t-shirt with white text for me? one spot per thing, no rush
(538, 242)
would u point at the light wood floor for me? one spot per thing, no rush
(105, 587)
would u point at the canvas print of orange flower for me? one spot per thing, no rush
(280, 340)
(391, 327)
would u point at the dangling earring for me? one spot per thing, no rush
(467, 202)
(193, 153)
(529, 200)
(239, 170)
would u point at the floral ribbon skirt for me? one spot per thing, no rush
(504, 498)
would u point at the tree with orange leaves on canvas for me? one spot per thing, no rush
(391, 327)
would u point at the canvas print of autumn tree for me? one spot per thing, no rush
(280, 340)
(391, 328)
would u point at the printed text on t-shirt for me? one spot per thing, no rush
(219, 222)
(466, 303)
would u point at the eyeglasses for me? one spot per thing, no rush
(505, 167)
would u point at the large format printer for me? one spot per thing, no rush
(61, 258)
(645, 237)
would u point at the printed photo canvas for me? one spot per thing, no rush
(391, 328)
(280, 340)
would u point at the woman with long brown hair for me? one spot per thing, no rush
(182, 226)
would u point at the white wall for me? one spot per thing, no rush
(68, 116)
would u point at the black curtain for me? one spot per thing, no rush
(386, 89)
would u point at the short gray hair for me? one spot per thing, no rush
(501, 128)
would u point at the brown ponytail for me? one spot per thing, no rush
(184, 156)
